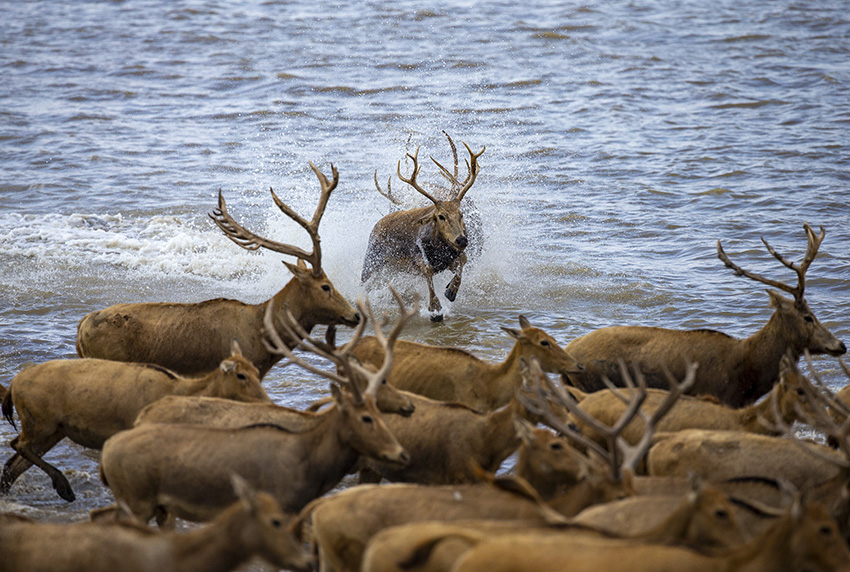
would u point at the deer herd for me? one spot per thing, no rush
(636, 448)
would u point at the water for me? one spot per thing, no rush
(623, 140)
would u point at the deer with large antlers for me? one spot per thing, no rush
(192, 339)
(174, 470)
(735, 371)
(426, 240)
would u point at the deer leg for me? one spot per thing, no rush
(434, 305)
(17, 465)
(454, 285)
(33, 452)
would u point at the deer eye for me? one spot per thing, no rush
(277, 523)
(809, 319)
(441, 217)
(241, 376)
(326, 287)
(366, 419)
(545, 343)
(556, 446)
(721, 514)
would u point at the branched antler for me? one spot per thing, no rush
(796, 291)
(251, 241)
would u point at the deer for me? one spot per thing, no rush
(735, 371)
(451, 374)
(343, 523)
(215, 412)
(805, 538)
(424, 241)
(171, 471)
(703, 518)
(192, 338)
(88, 400)
(254, 525)
(447, 442)
(699, 412)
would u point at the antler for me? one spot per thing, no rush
(471, 165)
(250, 241)
(352, 370)
(617, 446)
(388, 194)
(796, 291)
(412, 180)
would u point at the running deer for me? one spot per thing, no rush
(424, 241)
(172, 470)
(735, 371)
(89, 400)
(192, 339)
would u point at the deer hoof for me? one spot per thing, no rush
(64, 490)
(451, 294)
(436, 318)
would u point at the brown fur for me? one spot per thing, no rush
(722, 455)
(192, 339)
(737, 372)
(445, 441)
(699, 413)
(89, 400)
(423, 241)
(705, 518)
(168, 471)
(806, 538)
(446, 374)
(252, 526)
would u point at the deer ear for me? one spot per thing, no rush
(516, 334)
(777, 300)
(425, 219)
(298, 270)
(235, 350)
(524, 323)
(524, 430)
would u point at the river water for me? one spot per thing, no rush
(623, 139)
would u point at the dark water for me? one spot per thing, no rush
(623, 140)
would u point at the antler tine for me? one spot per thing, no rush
(451, 177)
(813, 245)
(412, 180)
(247, 239)
(822, 422)
(632, 454)
(473, 171)
(539, 404)
(388, 194)
(275, 344)
(388, 342)
(611, 434)
(721, 254)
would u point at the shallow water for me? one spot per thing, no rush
(623, 140)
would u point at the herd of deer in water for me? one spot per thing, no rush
(651, 449)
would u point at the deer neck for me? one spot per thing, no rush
(212, 548)
(288, 299)
(763, 351)
(328, 452)
(674, 527)
(499, 431)
(768, 551)
(750, 417)
(504, 378)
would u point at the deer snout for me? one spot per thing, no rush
(461, 241)
(400, 457)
